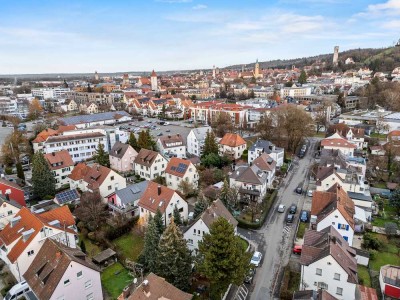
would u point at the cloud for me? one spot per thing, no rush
(387, 9)
(199, 6)
(393, 24)
(389, 5)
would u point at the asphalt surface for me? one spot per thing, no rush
(275, 238)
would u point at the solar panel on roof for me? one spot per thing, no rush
(181, 168)
(67, 196)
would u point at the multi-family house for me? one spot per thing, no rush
(172, 146)
(149, 164)
(159, 197)
(61, 165)
(62, 272)
(334, 208)
(194, 234)
(89, 108)
(41, 138)
(250, 181)
(352, 134)
(96, 177)
(263, 146)
(125, 201)
(232, 145)
(122, 157)
(313, 295)
(12, 191)
(179, 170)
(22, 238)
(70, 105)
(268, 165)
(8, 209)
(329, 263)
(195, 140)
(337, 142)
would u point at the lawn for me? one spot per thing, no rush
(130, 244)
(301, 230)
(388, 255)
(91, 249)
(244, 243)
(387, 215)
(363, 275)
(319, 134)
(378, 135)
(114, 279)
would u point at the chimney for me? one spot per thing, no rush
(7, 197)
(58, 255)
(53, 153)
(159, 190)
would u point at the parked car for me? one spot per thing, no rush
(299, 190)
(297, 249)
(304, 216)
(250, 275)
(281, 208)
(168, 130)
(293, 209)
(309, 193)
(256, 259)
(18, 291)
(289, 218)
(159, 134)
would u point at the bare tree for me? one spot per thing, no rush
(92, 211)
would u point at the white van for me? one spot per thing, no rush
(17, 291)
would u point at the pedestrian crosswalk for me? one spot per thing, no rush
(286, 229)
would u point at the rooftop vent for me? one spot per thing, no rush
(14, 221)
(26, 234)
(55, 223)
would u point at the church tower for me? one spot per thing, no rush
(153, 80)
(214, 71)
(96, 76)
(335, 55)
(257, 69)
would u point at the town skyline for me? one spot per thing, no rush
(168, 35)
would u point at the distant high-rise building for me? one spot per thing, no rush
(96, 76)
(335, 55)
(153, 80)
(125, 79)
(213, 71)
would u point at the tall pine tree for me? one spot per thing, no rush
(101, 157)
(146, 140)
(159, 220)
(224, 194)
(210, 144)
(174, 261)
(133, 141)
(303, 77)
(150, 249)
(43, 180)
(201, 204)
(177, 216)
(222, 258)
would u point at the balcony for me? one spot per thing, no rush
(122, 209)
(253, 192)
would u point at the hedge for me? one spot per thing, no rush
(267, 207)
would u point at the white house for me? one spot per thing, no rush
(122, 157)
(163, 198)
(337, 142)
(263, 146)
(61, 165)
(179, 170)
(25, 234)
(149, 164)
(195, 140)
(250, 181)
(194, 234)
(329, 263)
(232, 145)
(333, 208)
(96, 177)
(8, 209)
(61, 272)
(172, 145)
(268, 165)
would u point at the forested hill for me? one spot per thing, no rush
(383, 60)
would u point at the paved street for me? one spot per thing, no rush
(275, 238)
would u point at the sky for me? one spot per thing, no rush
(47, 36)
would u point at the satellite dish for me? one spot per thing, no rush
(134, 280)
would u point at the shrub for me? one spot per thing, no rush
(391, 228)
(91, 236)
(371, 242)
(8, 170)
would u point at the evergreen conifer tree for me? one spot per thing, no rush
(159, 220)
(133, 141)
(177, 216)
(43, 180)
(210, 144)
(201, 204)
(20, 172)
(303, 77)
(174, 261)
(101, 157)
(150, 249)
(224, 194)
(82, 246)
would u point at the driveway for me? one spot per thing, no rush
(275, 238)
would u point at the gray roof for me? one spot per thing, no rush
(265, 145)
(92, 118)
(119, 149)
(201, 132)
(248, 174)
(11, 202)
(359, 196)
(104, 255)
(132, 193)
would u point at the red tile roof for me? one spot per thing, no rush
(173, 166)
(94, 175)
(156, 197)
(60, 159)
(337, 142)
(232, 140)
(366, 293)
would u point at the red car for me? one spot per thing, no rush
(297, 249)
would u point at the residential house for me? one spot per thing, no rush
(268, 165)
(149, 164)
(313, 295)
(122, 157)
(333, 208)
(263, 146)
(89, 108)
(251, 182)
(154, 287)
(194, 234)
(337, 142)
(96, 177)
(352, 134)
(172, 146)
(179, 170)
(70, 105)
(195, 140)
(125, 201)
(12, 191)
(329, 263)
(61, 165)
(163, 198)
(8, 209)
(25, 234)
(41, 138)
(62, 272)
(232, 145)
(389, 281)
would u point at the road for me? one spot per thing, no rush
(275, 238)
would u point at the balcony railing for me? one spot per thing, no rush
(121, 209)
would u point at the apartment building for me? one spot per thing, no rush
(195, 140)
(172, 145)
(263, 146)
(295, 91)
(49, 93)
(98, 98)
(61, 164)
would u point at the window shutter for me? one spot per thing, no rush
(338, 225)
(347, 227)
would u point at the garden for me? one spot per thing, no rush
(114, 279)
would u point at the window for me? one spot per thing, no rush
(9, 212)
(112, 177)
(30, 253)
(339, 291)
(336, 276)
(88, 284)
(89, 296)
(79, 274)
(67, 282)
(318, 272)
(342, 226)
(322, 285)
(109, 187)
(190, 241)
